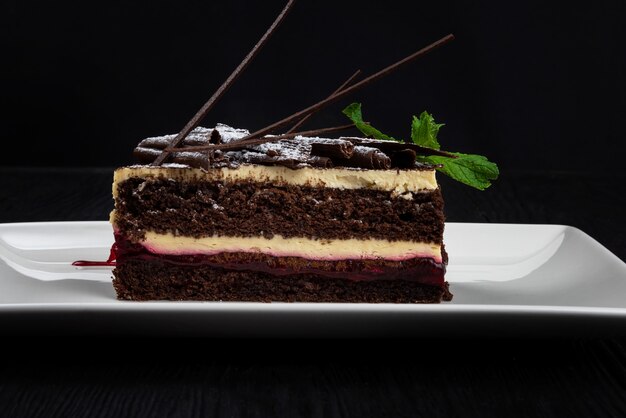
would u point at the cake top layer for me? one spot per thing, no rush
(299, 152)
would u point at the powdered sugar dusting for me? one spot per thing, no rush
(229, 134)
(199, 136)
(288, 149)
(317, 140)
(294, 153)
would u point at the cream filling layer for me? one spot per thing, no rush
(399, 182)
(278, 246)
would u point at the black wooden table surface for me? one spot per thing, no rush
(548, 377)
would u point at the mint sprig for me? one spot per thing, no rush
(424, 131)
(353, 112)
(471, 169)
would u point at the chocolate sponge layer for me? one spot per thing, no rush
(139, 279)
(261, 209)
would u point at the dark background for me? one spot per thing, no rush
(532, 85)
(537, 86)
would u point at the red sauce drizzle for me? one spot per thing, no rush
(109, 262)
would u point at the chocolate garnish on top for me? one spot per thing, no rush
(338, 149)
(260, 136)
(362, 155)
(292, 152)
(368, 157)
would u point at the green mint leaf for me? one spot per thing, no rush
(353, 112)
(424, 131)
(471, 169)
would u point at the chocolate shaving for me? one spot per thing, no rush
(194, 140)
(145, 155)
(367, 157)
(192, 159)
(340, 150)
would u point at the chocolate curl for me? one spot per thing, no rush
(153, 143)
(144, 155)
(161, 143)
(403, 159)
(367, 157)
(391, 146)
(340, 150)
(192, 159)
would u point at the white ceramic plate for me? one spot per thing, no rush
(506, 279)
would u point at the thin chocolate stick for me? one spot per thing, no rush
(319, 105)
(252, 142)
(197, 118)
(312, 132)
(343, 86)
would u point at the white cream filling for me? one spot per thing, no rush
(399, 182)
(278, 246)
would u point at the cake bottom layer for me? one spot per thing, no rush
(140, 279)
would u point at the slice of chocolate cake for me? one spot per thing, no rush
(303, 219)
